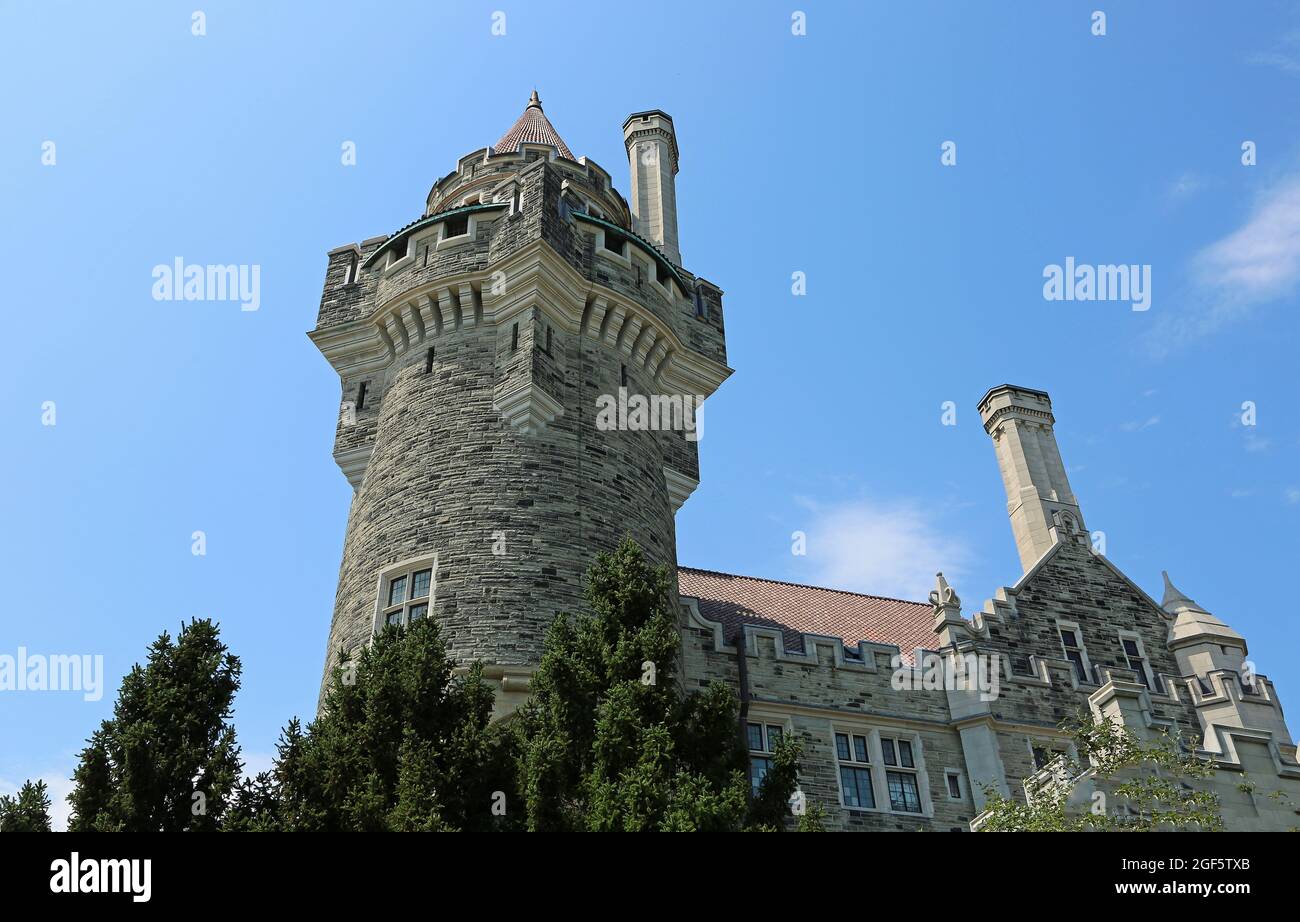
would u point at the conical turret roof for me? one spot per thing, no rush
(533, 127)
(1192, 623)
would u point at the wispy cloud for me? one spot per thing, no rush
(1287, 63)
(1261, 259)
(1256, 263)
(1256, 443)
(1285, 55)
(889, 549)
(1135, 426)
(1185, 186)
(1293, 495)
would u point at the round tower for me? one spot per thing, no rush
(492, 355)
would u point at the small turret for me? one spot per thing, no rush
(651, 143)
(1039, 499)
(1200, 641)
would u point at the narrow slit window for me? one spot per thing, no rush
(361, 395)
(514, 337)
(428, 361)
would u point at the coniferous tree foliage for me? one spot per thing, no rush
(403, 742)
(167, 760)
(26, 811)
(1139, 786)
(609, 742)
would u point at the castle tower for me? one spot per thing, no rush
(1039, 497)
(651, 143)
(474, 347)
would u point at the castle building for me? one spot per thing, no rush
(474, 347)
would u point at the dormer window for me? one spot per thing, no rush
(615, 243)
(455, 226)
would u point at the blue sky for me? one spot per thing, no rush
(816, 153)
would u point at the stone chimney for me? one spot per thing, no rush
(651, 144)
(1039, 499)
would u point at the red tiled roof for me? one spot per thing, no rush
(533, 127)
(797, 610)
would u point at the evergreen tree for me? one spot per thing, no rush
(609, 741)
(167, 760)
(28, 811)
(402, 743)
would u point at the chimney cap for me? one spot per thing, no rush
(659, 112)
(1014, 387)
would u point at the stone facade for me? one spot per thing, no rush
(473, 347)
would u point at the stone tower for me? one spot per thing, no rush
(1039, 497)
(474, 346)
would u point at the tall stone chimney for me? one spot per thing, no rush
(651, 144)
(1039, 498)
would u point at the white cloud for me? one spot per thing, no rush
(58, 786)
(882, 549)
(1138, 427)
(1293, 495)
(1186, 185)
(1256, 263)
(1276, 59)
(1255, 443)
(1261, 259)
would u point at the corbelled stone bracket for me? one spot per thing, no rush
(528, 408)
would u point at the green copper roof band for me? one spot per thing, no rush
(641, 241)
(424, 222)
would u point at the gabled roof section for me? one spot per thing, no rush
(797, 610)
(533, 127)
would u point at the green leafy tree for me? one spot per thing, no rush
(167, 761)
(609, 741)
(403, 742)
(1140, 786)
(27, 811)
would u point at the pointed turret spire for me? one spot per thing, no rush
(533, 127)
(1174, 601)
(1192, 623)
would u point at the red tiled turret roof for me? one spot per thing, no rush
(533, 127)
(796, 610)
